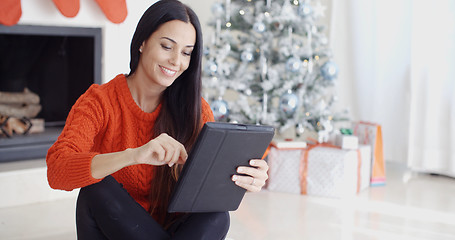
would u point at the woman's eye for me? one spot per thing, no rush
(165, 47)
(187, 53)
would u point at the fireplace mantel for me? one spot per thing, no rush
(80, 48)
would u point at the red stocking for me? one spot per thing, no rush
(69, 8)
(115, 10)
(10, 12)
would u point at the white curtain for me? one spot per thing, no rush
(432, 115)
(395, 60)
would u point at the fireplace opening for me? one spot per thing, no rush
(57, 64)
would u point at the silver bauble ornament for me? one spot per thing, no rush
(246, 56)
(329, 70)
(288, 103)
(324, 40)
(259, 27)
(206, 51)
(293, 64)
(305, 10)
(220, 110)
(211, 68)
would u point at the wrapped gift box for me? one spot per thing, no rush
(284, 169)
(371, 134)
(347, 141)
(319, 171)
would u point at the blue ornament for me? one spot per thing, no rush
(211, 68)
(329, 70)
(220, 110)
(289, 103)
(247, 56)
(206, 51)
(259, 27)
(305, 10)
(293, 64)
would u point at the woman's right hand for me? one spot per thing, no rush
(160, 151)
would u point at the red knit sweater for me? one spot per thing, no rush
(105, 119)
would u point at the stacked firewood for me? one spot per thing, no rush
(18, 111)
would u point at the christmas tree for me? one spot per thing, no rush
(268, 62)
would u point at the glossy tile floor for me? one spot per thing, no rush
(410, 206)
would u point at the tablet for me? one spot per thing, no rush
(205, 183)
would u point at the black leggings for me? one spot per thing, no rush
(105, 210)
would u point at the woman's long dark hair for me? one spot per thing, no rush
(180, 114)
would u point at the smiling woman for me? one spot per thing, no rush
(125, 141)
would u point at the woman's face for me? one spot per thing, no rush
(166, 54)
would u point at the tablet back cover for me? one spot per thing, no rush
(205, 183)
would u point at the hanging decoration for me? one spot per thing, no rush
(68, 8)
(220, 109)
(10, 12)
(114, 10)
(329, 70)
(289, 103)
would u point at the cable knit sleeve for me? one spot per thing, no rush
(207, 114)
(69, 158)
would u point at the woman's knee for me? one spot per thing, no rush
(214, 225)
(105, 189)
(103, 196)
(101, 188)
(221, 220)
(224, 220)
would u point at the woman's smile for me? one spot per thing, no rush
(168, 72)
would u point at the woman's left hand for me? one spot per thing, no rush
(256, 175)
